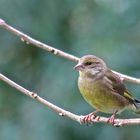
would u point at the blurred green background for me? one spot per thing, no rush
(109, 29)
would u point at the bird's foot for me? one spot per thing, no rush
(111, 120)
(89, 118)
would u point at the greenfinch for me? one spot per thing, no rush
(103, 89)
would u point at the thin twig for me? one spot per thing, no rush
(35, 96)
(55, 51)
(29, 40)
(62, 112)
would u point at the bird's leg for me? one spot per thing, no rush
(88, 118)
(112, 118)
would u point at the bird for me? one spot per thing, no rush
(102, 89)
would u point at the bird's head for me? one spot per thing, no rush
(90, 65)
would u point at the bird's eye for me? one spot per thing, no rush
(88, 63)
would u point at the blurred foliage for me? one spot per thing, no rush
(106, 28)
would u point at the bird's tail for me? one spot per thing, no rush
(135, 106)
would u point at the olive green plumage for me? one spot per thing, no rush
(101, 88)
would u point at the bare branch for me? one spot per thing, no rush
(55, 51)
(30, 40)
(35, 96)
(62, 112)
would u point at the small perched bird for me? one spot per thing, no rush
(103, 89)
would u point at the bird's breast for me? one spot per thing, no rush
(89, 90)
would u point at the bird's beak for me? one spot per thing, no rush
(79, 67)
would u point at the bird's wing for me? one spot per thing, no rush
(117, 85)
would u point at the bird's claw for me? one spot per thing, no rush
(111, 120)
(88, 118)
